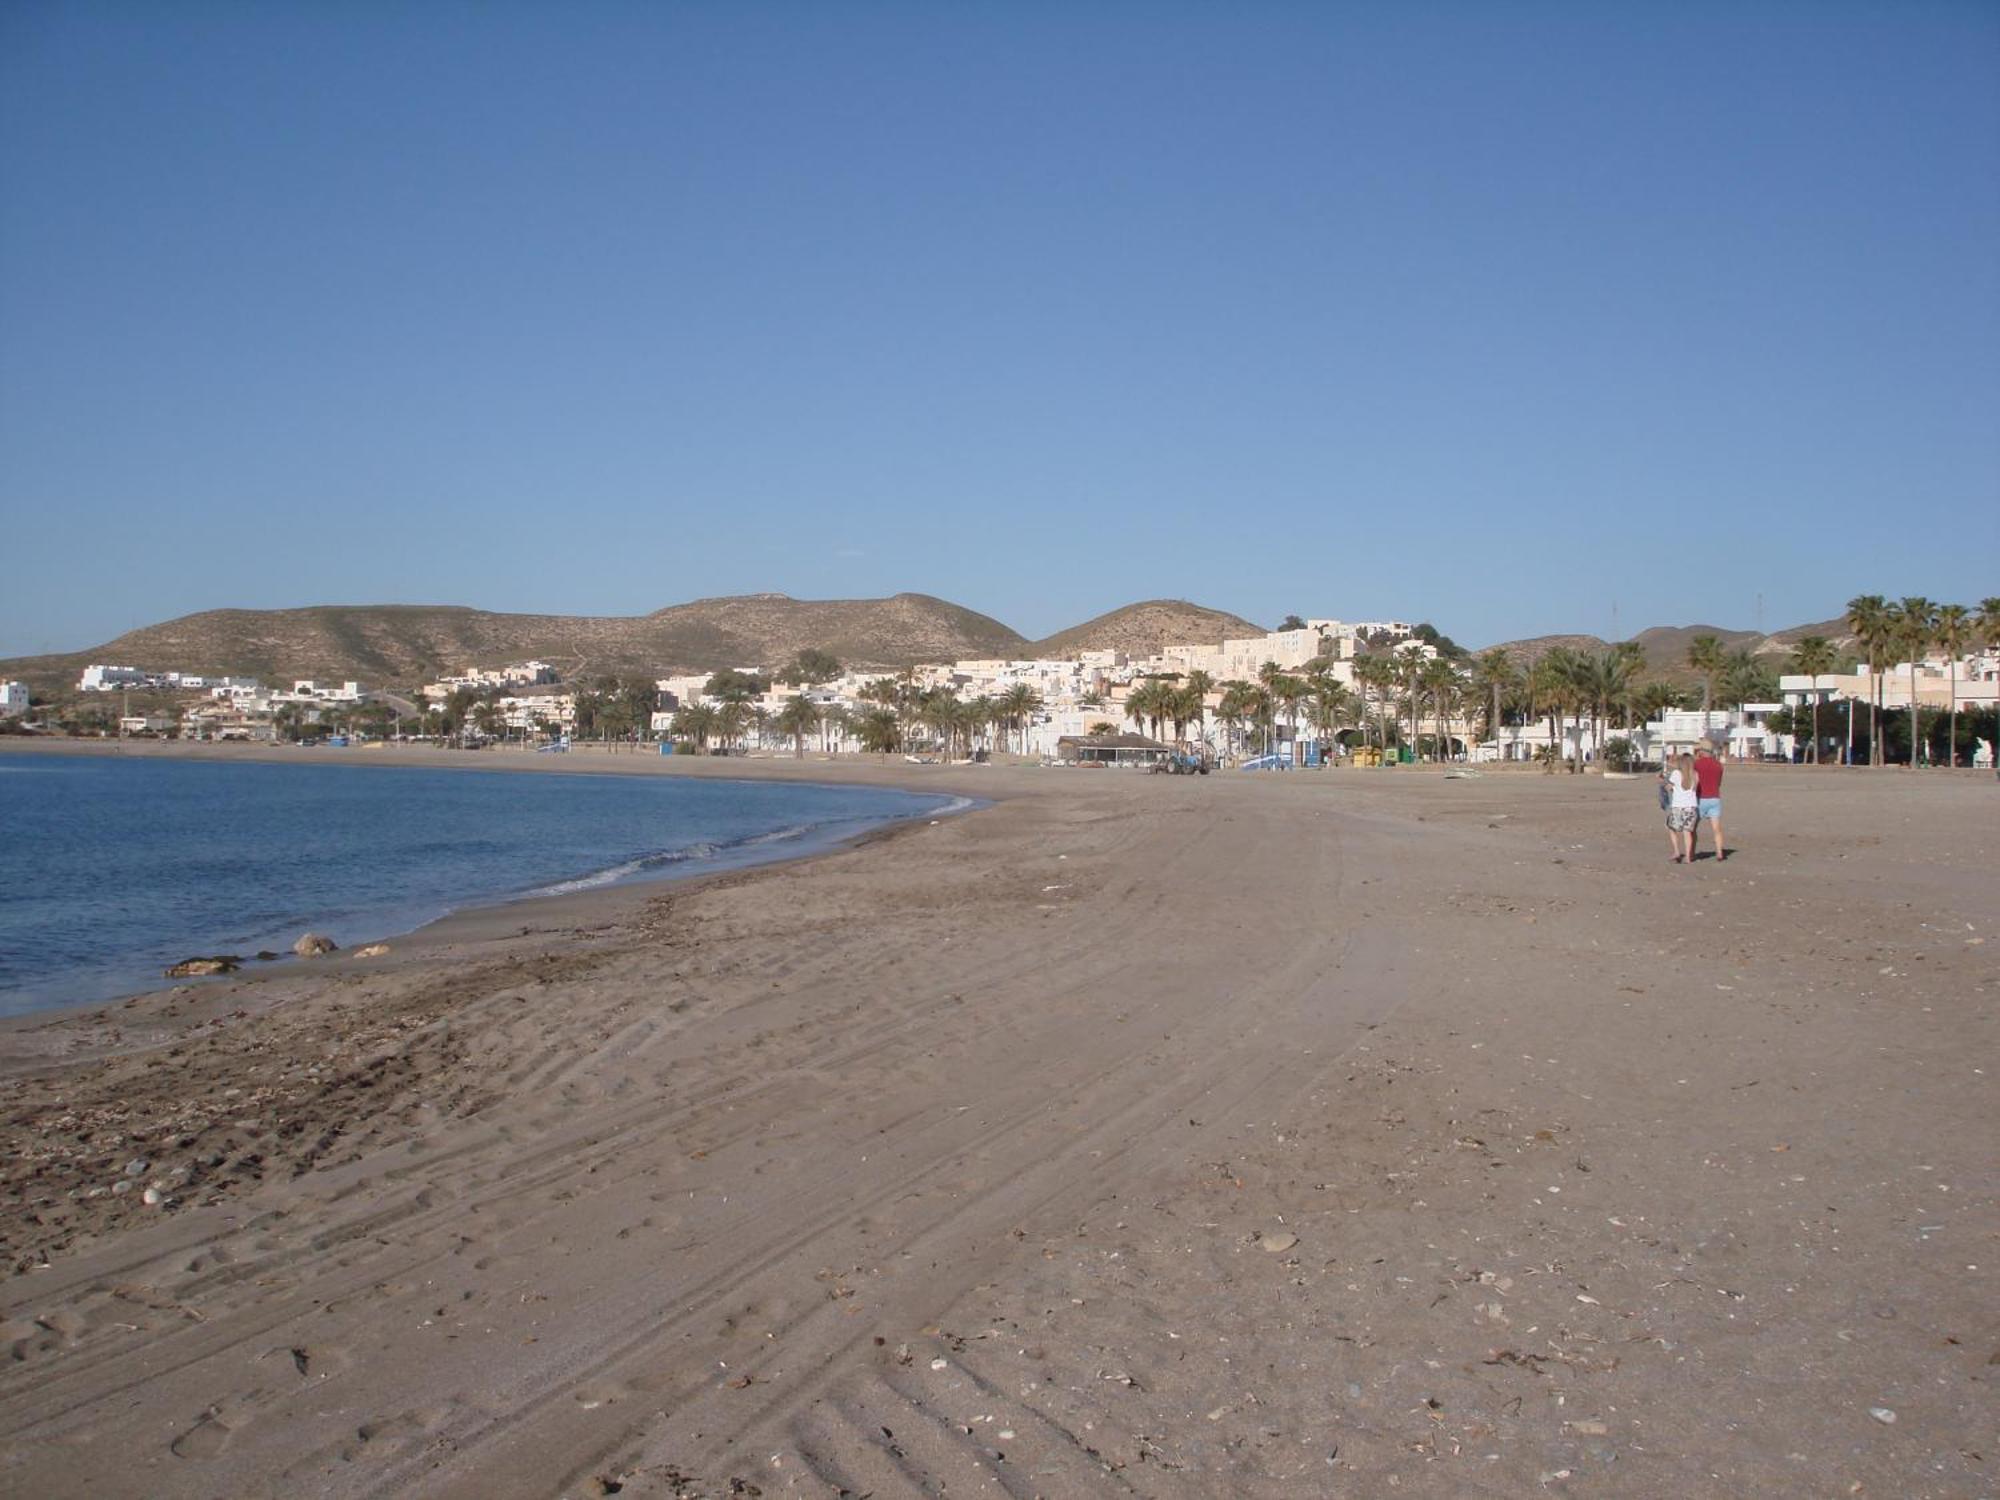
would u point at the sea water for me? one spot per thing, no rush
(112, 868)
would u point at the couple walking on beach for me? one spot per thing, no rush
(1691, 794)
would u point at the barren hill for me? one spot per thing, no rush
(403, 643)
(1147, 626)
(1666, 646)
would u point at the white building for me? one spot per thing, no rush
(346, 692)
(13, 699)
(107, 679)
(530, 711)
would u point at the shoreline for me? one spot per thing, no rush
(480, 917)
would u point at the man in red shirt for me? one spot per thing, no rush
(1708, 793)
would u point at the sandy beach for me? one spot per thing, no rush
(1346, 1133)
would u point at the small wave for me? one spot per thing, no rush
(776, 835)
(666, 859)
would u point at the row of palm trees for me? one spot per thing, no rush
(1910, 629)
(895, 713)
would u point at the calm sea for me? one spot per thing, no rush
(112, 868)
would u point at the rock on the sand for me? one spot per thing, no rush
(313, 944)
(195, 968)
(373, 950)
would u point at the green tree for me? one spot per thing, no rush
(1292, 622)
(1915, 623)
(1494, 677)
(1813, 657)
(731, 686)
(1150, 703)
(1746, 679)
(878, 729)
(639, 698)
(1438, 641)
(1706, 656)
(1654, 697)
(1330, 708)
(1194, 701)
(1288, 692)
(1630, 657)
(1986, 629)
(797, 719)
(1954, 636)
(1439, 682)
(1232, 711)
(1868, 616)
(1553, 683)
(810, 668)
(1375, 675)
(695, 723)
(1017, 706)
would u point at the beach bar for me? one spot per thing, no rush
(1110, 750)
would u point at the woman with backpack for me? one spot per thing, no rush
(1678, 796)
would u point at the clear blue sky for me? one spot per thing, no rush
(1492, 314)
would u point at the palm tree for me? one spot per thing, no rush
(1374, 674)
(1197, 687)
(1606, 680)
(1229, 715)
(1553, 681)
(1264, 716)
(1706, 656)
(1654, 697)
(1868, 617)
(1987, 627)
(1746, 679)
(731, 720)
(937, 711)
(1631, 658)
(1812, 657)
(1331, 705)
(1916, 626)
(1287, 693)
(878, 729)
(1268, 677)
(1142, 703)
(833, 725)
(1438, 679)
(696, 722)
(1494, 676)
(798, 718)
(1017, 705)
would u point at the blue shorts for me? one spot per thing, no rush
(1710, 808)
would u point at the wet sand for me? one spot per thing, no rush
(1349, 1133)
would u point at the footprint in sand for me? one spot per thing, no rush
(206, 1439)
(384, 1436)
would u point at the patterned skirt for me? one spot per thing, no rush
(1681, 819)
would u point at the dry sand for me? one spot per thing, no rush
(1349, 1133)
